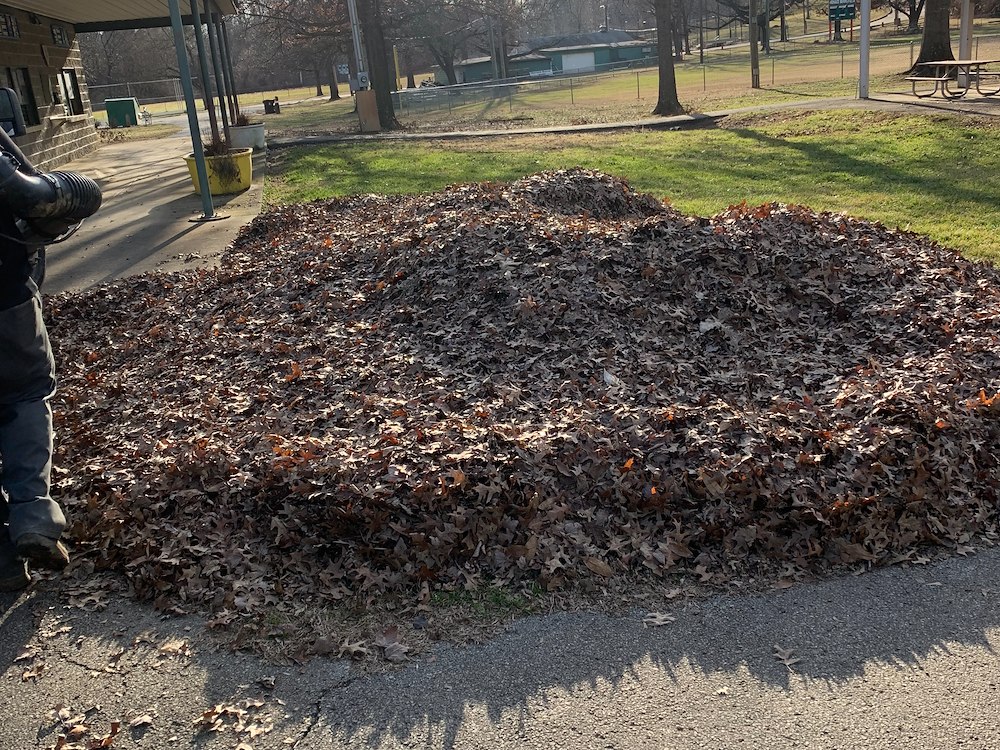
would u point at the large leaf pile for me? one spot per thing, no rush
(556, 378)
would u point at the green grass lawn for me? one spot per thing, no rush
(935, 175)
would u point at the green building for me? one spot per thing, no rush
(558, 55)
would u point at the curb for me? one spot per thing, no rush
(676, 122)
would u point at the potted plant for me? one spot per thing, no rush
(230, 170)
(245, 133)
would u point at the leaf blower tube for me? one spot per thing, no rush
(49, 206)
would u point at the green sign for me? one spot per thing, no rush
(842, 10)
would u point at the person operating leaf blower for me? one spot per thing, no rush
(36, 209)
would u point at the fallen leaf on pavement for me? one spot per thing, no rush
(785, 656)
(656, 619)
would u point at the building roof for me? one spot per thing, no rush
(615, 45)
(100, 15)
(531, 49)
(487, 58)
(593, 39)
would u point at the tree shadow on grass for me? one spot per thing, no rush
(821, 159)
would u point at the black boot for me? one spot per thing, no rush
(13, 569)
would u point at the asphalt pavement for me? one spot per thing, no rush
(895, 658)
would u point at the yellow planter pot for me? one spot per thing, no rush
(227, 174)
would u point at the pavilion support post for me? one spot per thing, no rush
(192, 113)
(227, 60)
(866, 48)
(199, 39)
(214, 50)
(965, 31)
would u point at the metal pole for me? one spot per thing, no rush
(352, 12)
(220, 83)
(865, 51)
(185, 71)
(701, 32)
(227, 68)
(206, 83)
(965, 31)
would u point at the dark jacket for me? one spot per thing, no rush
(17, 262)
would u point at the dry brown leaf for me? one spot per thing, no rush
(355, 650)
(598, 566)
(657, 619)
(786, 656)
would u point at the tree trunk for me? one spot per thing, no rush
(678, 31)
(446, 62)
(936, 44)
(685, 24)
(378, 61)
(764, 30)
(319, 83)
(667, 102)
(334, 82)
(913, 17)
(754, 55)
(411, 82)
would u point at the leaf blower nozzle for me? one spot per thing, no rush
(47, 204)
(63, 195)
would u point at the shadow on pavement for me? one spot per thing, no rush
(559, 671)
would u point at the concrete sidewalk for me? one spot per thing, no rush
(898, 658)
(146, 220)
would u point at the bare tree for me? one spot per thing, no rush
(666, 102)
(936, 43)
(912, 10)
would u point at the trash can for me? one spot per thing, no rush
(122, 113)
(271, 106)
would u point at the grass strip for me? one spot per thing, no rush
(935, 175)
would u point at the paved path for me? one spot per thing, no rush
(899, 658)
(973, 105)
(149, 218)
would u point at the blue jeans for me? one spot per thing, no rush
(27, 381)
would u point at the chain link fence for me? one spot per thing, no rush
(166, 96)
(146, 92)
(724, 70)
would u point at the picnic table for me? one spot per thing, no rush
(953, 79)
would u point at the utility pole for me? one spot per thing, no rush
(359, 56)
(365, 98)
